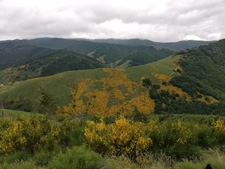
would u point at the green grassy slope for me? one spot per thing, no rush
(24, 95)
(146, 55)
(14, 113)
(164, 66)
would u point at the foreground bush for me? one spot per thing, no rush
(119, 138)
(77, 157)
(136, 139)
(34, 134)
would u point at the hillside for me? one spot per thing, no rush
(12, 51)
(143, 42)
(203, 70)
(21, 60)
(110, 54)
(142, 56)
(145, 89)
(189, 82)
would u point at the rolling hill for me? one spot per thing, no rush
(21, 60)
(15, 50)
(25, 95)
(119, 53)
(110, 54)
(190, 82)
(203, 70)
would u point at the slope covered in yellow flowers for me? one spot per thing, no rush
(104, 91)
(108, 96)
(117, 94)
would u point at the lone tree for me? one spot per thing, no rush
(146, 82)
(2, 109)
(47, 104)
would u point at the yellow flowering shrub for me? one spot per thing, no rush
(23, 133)
(31, 134)
(162, 77)
(210, 100)
(220, 129)
(121, 137)
(175, 61)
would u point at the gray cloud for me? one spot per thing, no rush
(163, 20)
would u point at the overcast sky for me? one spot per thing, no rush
(157, 20)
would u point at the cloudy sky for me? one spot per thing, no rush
(157, 20)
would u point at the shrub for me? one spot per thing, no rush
(122, 137)
(176, 139)
(219, 126)
(23, 134)
(19, 165)
(17, 157)
(34, 134)
(77, 157)
(42, 158)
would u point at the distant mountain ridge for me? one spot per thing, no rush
(106, 52)
(118, 52)
(180, 45)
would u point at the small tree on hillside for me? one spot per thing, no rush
(2, 109)
(47, 104)
(146, 82)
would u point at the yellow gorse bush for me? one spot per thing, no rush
(22, 133)
(219, 126)
(29, 134)
(121, 137)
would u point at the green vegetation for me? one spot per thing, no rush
(165, 114)
(110, 53)
(47, 104)
(47, 63)
(13, 51)
(176, 142)
(77, 157)
(145, 55)
(15, 113)
(20, 97)
(203, 71)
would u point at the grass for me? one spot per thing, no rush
(15, 113)
(215, 159)
(125, 65)
(164, 66)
